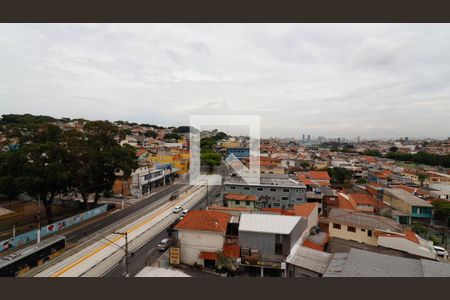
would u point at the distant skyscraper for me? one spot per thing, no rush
(309, 138)
(358, 139)
(303, 138)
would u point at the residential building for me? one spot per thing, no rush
(266, 239)
(201, 234)
(238, 152)
(435, 177)
(320, 178)
(412, 208)
(240, 200)
(440, 191)
(273, 190)
(377, 231)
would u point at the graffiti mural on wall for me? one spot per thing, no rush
(29, 236)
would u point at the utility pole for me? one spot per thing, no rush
(39, 219)
(125, 234)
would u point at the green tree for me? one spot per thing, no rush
(304, 165)
(210, 158)
(422, 177)
(150, 133)
(340, 175)
(442, 211)
(171, 136)
(393, 149)
(361, 180)
(372, 152)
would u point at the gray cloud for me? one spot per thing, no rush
(373, 80)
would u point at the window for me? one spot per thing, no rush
(232, 187)
(351, 229)
(369, 232)
(260, 189)
(363, 230)
(276, 204)
(285, 190)
(284, 198)
(336, 226)
(247, 203)
(238, 202)
(273, 189)
(246, 188)
(278, 244)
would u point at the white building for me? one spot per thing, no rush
(201, 234)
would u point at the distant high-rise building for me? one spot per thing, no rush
(303, 138)
(358, 139)
(309, 138)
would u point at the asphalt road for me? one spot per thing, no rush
(84, 231)
(148, 254)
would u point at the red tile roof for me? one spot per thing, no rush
(363, 199)
(318, 175)
(305, 209)
(205, 220)
(411, 235)
(273, 209)
(309, 244)
(232, 251)
(208, 255)
(347, 204)
(221, 208)
(302, 178)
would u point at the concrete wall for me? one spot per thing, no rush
(397, 203)
(358, 236)
(265, 242)
(194, 242)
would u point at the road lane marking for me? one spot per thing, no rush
(88, 255)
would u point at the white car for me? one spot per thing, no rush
(440, 251)
(185, 212)
(177, 209)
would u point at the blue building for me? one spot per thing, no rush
(239, 152)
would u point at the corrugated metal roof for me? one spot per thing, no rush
(360, 263)
(268, 223)
(309, 259)
(407, 197)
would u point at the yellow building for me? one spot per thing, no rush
(230, 144)
(178, 160)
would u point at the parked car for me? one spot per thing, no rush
(164, 244)
(177, 209)
(184, 212)
(440, 251)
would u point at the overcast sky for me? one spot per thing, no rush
(371, 80)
